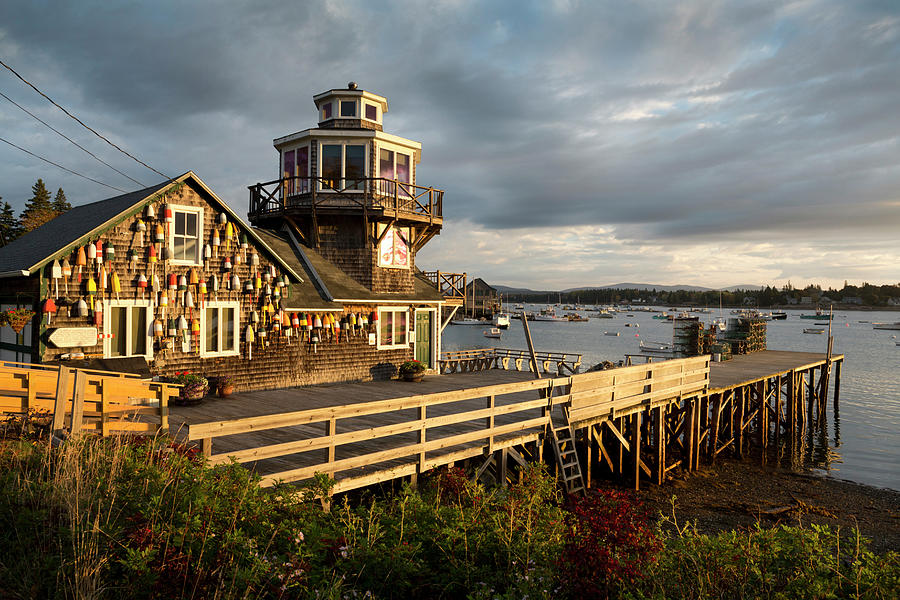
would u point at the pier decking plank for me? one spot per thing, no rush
(747, 368)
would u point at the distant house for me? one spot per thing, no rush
(806, 300)
(852, 300)
(893, 301)
(484, 301)
(321, 288)
(790, 300)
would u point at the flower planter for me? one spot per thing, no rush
(190, 397)
(413, 377)
(225, 391)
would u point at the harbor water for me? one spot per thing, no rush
(861, 443)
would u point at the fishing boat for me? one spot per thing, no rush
(892, 326)
(612, 333)
(520, 307)
(663, 316)
(779, 316)
(467, 321)
(501, 320)
(493, 332)
(632, 324)
(656, 347)
(548, 314)
(813, 330)
(820, 314)
(575, 317)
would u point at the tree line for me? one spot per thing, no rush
(864, 295)
(38, 210)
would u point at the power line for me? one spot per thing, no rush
(80, 122)
(62, 167)
(70, 140)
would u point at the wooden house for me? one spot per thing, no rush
(321, 288)
(481, 298)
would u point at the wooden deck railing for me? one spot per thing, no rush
(373, 193)
(84, 400)
(555, 363)
(413, 435)
(451, 285)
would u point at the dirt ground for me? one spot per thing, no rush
(735, 494)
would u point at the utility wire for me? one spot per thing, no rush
(61, 167)
(80, 122)
(95, 157)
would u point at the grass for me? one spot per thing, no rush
(116, 518)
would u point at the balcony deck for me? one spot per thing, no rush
(376, 197)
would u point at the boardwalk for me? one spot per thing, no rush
(365, 433)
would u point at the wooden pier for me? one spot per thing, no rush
(637, 423)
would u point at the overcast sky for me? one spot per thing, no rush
(578, 143)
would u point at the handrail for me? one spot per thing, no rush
(98, 401)
(274, 197)
(450, 285)
(508, 358)
(484, 426)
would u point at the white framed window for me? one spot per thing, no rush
(393, 327)
(126, 329)
(219, 327)
(326, 111)
(295, 163)
(348, 108)
(371, 112)
(343, 165)
(394, 165)
(185, 235)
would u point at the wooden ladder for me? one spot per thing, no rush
(567, 456)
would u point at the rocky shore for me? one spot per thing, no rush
(738, 494)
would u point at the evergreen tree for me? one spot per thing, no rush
(60, 204)
(9, 224)
(38, 209)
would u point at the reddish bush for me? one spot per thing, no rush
(609, 544)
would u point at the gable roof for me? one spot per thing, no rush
(78, 225)
(305, 295)
(333, 284)
(34, 249)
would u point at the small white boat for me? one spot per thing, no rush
(632, 324)
(493, 332)
(656, 347)
(813, 330)
(501, 320)
(467, 321)
(613, 333)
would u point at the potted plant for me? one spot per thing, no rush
(193, 387)
(225, 386)
(412, 370)
(16, 318)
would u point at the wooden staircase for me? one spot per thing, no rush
(563, 440)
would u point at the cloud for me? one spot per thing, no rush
(672, 128)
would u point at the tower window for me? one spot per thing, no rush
(371, 112)
(326, 111)
(348, 108)
(343, 166)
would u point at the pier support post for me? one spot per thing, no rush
(660, 436)
(636, 447)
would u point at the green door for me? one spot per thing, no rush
(423, 337)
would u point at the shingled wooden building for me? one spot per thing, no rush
(321, 288)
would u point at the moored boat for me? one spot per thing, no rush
(813, 330)
(656, 347)
(467, 321)
(891, 326)
(501, 320)
(493, 332)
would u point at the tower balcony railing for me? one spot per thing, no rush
(376, 194)
(451, 285)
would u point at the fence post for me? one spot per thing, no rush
(59, 406)
(78, 401)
